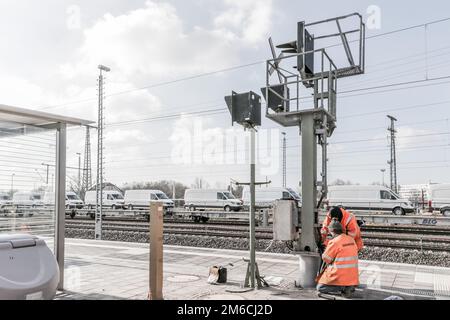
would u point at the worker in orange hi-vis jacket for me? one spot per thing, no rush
(349, 225)
(341, 273)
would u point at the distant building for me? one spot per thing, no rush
(107, 186)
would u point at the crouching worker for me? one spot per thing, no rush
(348, 223)
(341, 259)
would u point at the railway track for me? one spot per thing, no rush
(217, 221)
(181, 230)
(409, 237)
(413, 229)
(381, 228)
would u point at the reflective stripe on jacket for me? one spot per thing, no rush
(349, 226)
(341, 257)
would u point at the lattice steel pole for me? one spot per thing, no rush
(393, 161)
(87, 170)
(99, 186)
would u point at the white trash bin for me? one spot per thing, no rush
(28, 269)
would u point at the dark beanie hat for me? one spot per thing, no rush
(336, 212)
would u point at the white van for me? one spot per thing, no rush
(217, 199)
(439, 198)
(72, 200)
(5, 200)
(112, 199)
(376, 198)
(28, 199)
(266, 197)
(142, 198)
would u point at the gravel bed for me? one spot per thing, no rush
(441, 259)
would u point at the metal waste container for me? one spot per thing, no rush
(28, 269)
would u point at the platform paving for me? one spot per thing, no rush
(119, 270)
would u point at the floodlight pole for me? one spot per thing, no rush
(99, 186)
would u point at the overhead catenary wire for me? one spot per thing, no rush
(200, 157)
(211, 112)
(224, 109)
(338, 132)
(200, 75)
(243, 172)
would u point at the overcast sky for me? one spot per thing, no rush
(50, 50)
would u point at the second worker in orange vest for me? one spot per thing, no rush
(348, 222)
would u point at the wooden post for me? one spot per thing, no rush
(156, 251)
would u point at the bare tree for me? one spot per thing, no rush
(76, 186)
(237, 191)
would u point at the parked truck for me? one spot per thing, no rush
(111, 199)
(439, 198)
(141, 199)
(211, 199)
(370, 198)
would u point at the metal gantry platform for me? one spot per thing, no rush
(315, 72)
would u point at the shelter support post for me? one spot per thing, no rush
(60, 199)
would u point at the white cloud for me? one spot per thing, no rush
(22, 93)
(135, 104)
(250, 18)
(142, 46)
(120, 136)
(153, 41)
(408, 137)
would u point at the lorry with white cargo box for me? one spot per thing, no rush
(27, 199)
(72, 200)
(211, 199)
(111, 199)
(439, 198)
(368, 198)
(141, 199)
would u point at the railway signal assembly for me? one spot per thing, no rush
(315, 70)
(245, 109)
